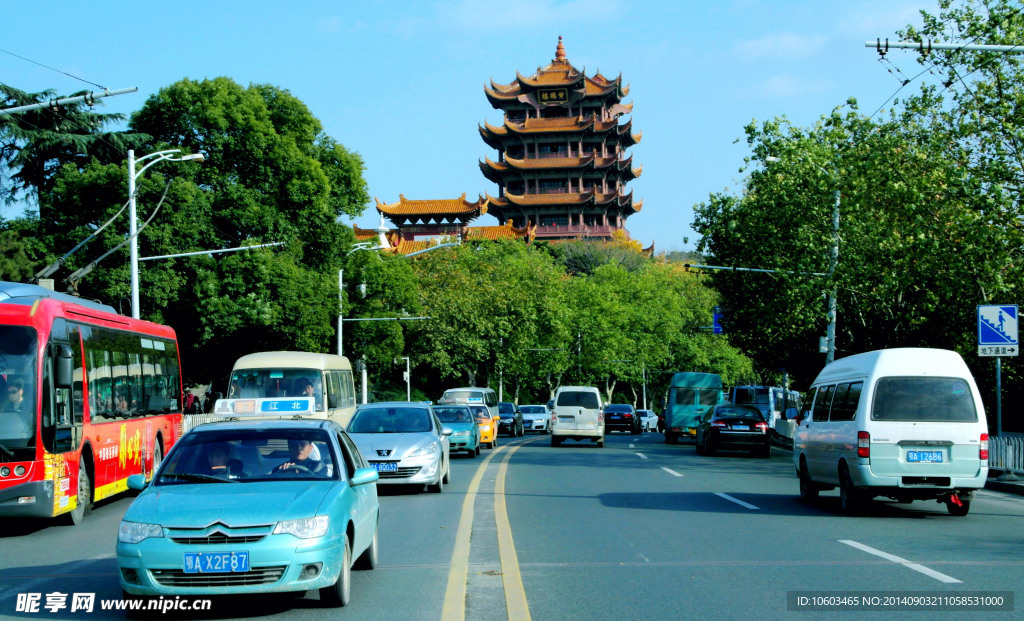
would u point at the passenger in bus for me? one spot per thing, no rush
(15, 397)
(307, 389)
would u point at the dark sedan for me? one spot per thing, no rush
(511, 419)
(621, 417)
(729, 426)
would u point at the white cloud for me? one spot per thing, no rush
(787, 86)
(784, 45)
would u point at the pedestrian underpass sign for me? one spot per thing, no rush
(997, 330)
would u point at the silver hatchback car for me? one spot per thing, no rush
(404, 441)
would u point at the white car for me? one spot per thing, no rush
(535, 417)
(648, 420)
(404, 442)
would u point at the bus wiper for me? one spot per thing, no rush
(199, 478)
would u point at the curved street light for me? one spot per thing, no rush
(158, 156)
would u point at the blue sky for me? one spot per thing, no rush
(401, 81)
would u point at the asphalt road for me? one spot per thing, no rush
(636, 530)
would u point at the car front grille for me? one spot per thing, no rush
(256, 575)
(217, 539)
(401, 473)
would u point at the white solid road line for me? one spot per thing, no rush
(642, 456)
(671, 471)
(908, 564)
(737, 501)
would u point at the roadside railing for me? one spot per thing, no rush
(1006, 453)
(188, 421)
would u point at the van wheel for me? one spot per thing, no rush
(808, 490)
(958, 510)
(848, 501)
(600, 443)
(669, 438)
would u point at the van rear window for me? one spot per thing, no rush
(938, 399)
(578, 399)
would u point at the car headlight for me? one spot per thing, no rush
(306, 528)
(134, 532)
(429, 449)
(462, 433)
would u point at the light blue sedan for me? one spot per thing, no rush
(252, 507)
(465, 432)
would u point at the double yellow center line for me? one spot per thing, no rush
(455, 594)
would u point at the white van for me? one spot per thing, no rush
(472, 395)
(906, 424)
(577, 414)
(281, 383)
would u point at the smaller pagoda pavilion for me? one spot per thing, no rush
(424, 223)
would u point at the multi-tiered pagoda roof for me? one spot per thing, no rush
(562, 162)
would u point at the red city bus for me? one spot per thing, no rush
(89, 397)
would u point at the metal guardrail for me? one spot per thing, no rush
(1006, 453)
(188, 421)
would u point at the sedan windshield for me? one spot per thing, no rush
(244, 455)
(390, 420)
(453, 415)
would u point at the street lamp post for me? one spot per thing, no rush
(408, 378)
(132, 220)
(830, 331)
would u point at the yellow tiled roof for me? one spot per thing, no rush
(455, 206)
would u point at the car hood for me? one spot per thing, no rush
(376, 446)
(232, 504)
(460, 426)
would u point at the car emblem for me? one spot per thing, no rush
(384, 452)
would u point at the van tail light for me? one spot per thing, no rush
(762, 427)
(863, 444)
(983, 450)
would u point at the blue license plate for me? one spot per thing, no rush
(930, 457)
(216, 562)
(386, 467)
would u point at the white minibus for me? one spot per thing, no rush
(280, 383)
(906, 424)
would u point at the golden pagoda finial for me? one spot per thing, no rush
(560, 50)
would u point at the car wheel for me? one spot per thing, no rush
(556, 441)
(476, 451)
(635, 430)
(848, 501)
(84, 505)
(808, 490)
(698, 446)
(447, 478)
(368, 559)
(958, 510)
(709, 446)
(339, 593)
(600, 443)
(764, 452)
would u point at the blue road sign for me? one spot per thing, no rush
(997, 330)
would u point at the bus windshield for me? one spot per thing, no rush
(751, 396)
(260, 383)
(18, 406)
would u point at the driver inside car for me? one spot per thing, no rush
(301, 458)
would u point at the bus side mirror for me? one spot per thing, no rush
(63, 373)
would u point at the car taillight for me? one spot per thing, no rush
(762, 427)
(628, 415)
(983, 450)
(863, 444)
(718, 423)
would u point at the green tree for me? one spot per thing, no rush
(270, 175)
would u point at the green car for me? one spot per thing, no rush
(465, 432)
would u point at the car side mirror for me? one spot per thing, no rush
(447, 431)
(362, 476)
(137, 482)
